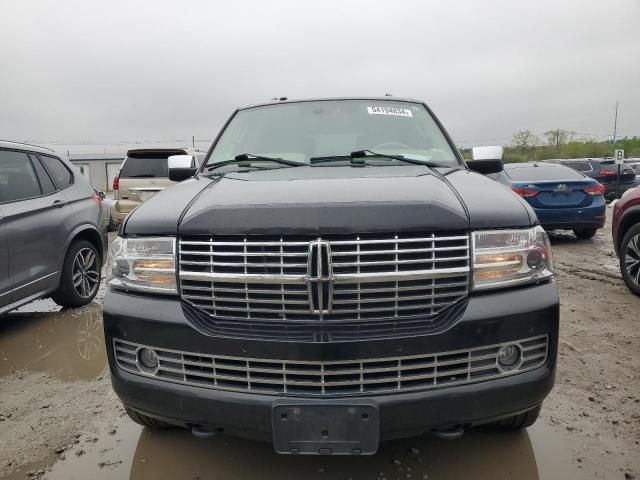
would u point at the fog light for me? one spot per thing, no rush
(147, 359)
(509, 357)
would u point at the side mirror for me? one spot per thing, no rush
(181, 167)
(486, 160)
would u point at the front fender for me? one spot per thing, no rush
(628, 217)
(80, 229)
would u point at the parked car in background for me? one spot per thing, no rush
(333, 276)
(605, 171)
(635, 164)
(562, 197)
(625, 229)
(52, 229)
(143, 173)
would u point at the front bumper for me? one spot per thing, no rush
(488, 319)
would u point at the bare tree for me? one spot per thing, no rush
(557, 137)
(524, 139)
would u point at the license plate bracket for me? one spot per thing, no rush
(310, 428)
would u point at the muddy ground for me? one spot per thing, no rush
(59, 418)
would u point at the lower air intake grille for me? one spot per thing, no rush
(349, 377)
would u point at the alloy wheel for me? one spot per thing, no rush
(632, 259)
(86, 273)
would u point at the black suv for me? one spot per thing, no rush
(334, 274)
(52, 229)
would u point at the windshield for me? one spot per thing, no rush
(304, 130)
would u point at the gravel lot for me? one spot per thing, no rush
(59, 418)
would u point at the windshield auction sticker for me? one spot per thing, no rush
(398, 112)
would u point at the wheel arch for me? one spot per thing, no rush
(86, 232)
(629, 219)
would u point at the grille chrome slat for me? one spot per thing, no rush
(353, 253)
(334, 378)
(400, 240)
(397, 262)
(369, 277)
(219, 298)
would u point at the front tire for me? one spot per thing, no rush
(518, 422)
(584, 233)
(81, 274)
(629, 254)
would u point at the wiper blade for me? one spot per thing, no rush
(329, 158)
(246, 160)
(359, 156)
(362, 154)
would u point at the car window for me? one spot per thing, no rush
(18, 180)
(542, 173)
(579, 166)
(46, 184)
(147, 164)
(60, 174)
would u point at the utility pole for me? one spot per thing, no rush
(615, 128)
(193, 141)
(615, 124)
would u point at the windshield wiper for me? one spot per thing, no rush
(358, 158)
(362, 154)
(246, 160)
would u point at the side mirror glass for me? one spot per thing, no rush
(486, 160)
(181, 167)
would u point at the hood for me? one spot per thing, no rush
(330, 200)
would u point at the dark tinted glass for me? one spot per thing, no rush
(61, 176)
(542, 173)
(145, 167)
(45, 181)
(17, 178)
(579, 166)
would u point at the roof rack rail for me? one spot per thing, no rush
(28, 144)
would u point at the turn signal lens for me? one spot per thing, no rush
(504, 258)
(143, 264)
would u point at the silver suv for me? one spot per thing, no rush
(52, 230)
(143, 174)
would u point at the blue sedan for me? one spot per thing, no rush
(562, 198)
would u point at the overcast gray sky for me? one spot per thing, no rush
(110, 71)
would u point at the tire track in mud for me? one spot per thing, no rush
(594, 274)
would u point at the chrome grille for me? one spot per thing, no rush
(347, 377)
(335, 278)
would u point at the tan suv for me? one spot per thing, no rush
(143, 173)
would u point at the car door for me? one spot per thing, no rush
(4, 261)
(34, 210)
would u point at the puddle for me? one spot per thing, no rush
(140, 454)
(67, 344)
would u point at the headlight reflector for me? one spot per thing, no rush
(510, 257)
(145, 264)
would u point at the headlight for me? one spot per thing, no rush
(503, 258)
(143, 264)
